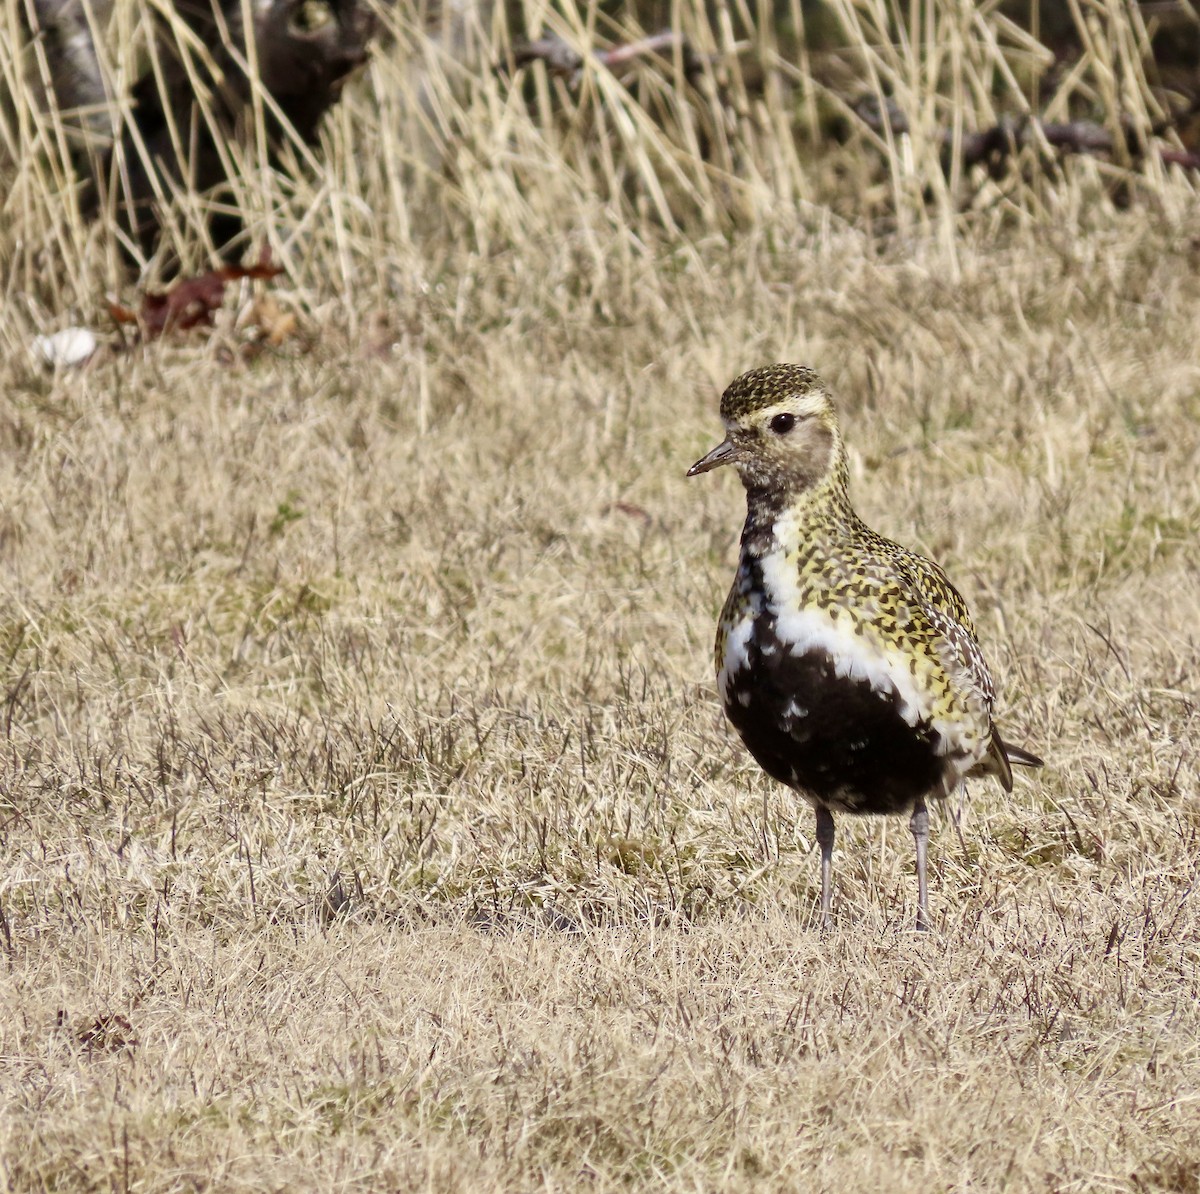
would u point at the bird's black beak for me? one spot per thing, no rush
(723, 453)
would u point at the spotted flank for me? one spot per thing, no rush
(848, 664)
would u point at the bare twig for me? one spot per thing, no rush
(563, 59)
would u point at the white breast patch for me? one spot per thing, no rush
(855, 656)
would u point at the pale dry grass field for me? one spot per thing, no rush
(368, 818)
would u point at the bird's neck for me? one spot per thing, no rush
(787, 517)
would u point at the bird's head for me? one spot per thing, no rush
(781, 432)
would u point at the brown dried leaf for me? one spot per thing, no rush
(190, 303)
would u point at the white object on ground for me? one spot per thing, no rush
(65, 349)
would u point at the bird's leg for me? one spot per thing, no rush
(919, 824)
(825, 833)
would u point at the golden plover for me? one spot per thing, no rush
(848, 665)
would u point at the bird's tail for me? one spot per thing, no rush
(999, 757)
(1022, 757)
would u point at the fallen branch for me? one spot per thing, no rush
(992, 147)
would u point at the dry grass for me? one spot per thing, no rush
(368, 818)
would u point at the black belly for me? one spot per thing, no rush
(848, 747)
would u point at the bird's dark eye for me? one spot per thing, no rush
(782, 424)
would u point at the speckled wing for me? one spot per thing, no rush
(947, 611)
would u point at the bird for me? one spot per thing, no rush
(849, 665)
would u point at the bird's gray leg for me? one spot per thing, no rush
(825, 833)
(919, 824)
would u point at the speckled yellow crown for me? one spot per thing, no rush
(761, 388)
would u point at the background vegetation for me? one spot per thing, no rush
(368, 818)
